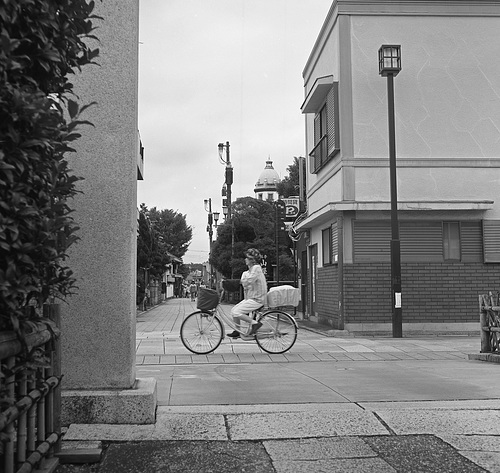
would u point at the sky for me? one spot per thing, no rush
(217, 71)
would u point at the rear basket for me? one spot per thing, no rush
(208, 299)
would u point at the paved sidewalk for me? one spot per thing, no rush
(369, 437)
(158, 343)
(329, 405)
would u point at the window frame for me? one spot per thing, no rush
(326, 132)
(448, 244)
(326, 247)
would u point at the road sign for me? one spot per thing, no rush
(292, 208)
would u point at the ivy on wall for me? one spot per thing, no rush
(42, 43)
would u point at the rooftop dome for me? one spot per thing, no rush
(268, 179)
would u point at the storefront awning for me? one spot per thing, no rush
(334, 209)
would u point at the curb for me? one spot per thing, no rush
(488, 357)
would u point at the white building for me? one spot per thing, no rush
(447, 102)
(266, 185)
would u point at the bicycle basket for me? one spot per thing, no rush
(208, 299)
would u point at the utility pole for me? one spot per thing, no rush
(229, 183)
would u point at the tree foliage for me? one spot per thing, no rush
(174, 230)
(161, 233)
(41, 43)
(289, 186)
(254, 227)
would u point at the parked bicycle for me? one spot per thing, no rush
(203, 331)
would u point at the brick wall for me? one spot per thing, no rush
(431, 292)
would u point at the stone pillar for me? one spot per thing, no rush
(98, 323)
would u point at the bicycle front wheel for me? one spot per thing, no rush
(278, 332)
(201, 332)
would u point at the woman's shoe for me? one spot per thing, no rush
(235, 334)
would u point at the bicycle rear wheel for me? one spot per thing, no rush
(278, 332)
(201, 332)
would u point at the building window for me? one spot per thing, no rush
(326, 132)
(335, 242)
(471, 241)
(428, 241)
(270, 196)
(326, 236)
(491, 241)
(451, 241)
(260, 195)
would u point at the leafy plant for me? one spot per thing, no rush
(41, 43)
(161, 233)
(253, 226)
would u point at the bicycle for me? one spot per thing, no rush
(203, 330)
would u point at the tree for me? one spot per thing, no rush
(290, 185)
(254, 227)
(160, 233)
(174, 230)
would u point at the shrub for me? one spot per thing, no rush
(41, 43)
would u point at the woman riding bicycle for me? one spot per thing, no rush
(255, 289)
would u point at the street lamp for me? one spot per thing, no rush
(229, 173)
(228, 183)
(389, 65)
(212, 217)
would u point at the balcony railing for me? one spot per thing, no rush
(319, 154)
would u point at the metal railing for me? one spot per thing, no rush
(30, 430)
(489, 316)
(319, 154)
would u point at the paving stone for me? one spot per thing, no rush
(442, 421)
(190, 427)
(207, 457)
(318, 448)
(303, 424)
(484, 443)
(352, 465)
(108, 432)
(421, 454)
(490, 461)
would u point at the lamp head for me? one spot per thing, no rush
(389, 60)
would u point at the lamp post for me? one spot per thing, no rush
(229, 173)
(214, 273)
(228, 183)
(389, 64)
(212, 217)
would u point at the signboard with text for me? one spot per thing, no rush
(291, 208)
